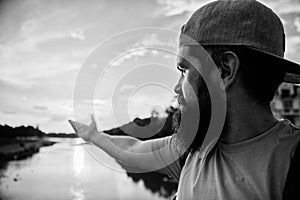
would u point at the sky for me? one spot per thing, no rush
(66, 59)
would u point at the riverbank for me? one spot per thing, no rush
(16, 149)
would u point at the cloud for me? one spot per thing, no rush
(297, 23)
(155, 40)
(141, 105)
(36, 39)
(177, 7)
(58, 118)
(29, 26)
(127, 87)
(78, 34)
(285, 7)
(30, 113)
(97, 102)
(54, 71)
(293, 44)
(293, 48)
(145, 46)
(15, 84)
(133, 53)
(42, 108)
(43, 43)
(9, 112)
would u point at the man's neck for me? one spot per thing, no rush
(246, 121)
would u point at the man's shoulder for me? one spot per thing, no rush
(203, 151)
(288, 129)
(288, 136)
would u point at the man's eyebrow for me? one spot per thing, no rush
(183, 63)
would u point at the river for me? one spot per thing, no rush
(69, 170)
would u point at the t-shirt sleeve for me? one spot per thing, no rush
(165, 153)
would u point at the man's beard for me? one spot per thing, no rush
(187, 138)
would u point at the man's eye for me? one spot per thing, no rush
(183, 72)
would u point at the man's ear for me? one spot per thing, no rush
(230, 67)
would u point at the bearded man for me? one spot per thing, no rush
(251, 158)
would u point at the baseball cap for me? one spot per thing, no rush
(246, 23)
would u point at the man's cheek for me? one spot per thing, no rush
(190, 93)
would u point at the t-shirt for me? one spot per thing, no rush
(251, 169)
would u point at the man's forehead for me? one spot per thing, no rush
(190, 54)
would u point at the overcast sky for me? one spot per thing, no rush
(44, 44)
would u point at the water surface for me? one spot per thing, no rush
(68, 171)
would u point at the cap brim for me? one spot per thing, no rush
(292, 78)
(292, 69)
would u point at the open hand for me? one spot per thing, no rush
(86, 132)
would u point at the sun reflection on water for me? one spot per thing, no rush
(78, 157)
(77, 192)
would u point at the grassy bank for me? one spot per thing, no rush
(16, 149)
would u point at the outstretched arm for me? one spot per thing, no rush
(129, 150)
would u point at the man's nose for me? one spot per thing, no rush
(178, 86)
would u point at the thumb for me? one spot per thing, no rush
(93, 123)
(75, 125)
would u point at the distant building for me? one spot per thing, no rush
(286, 103)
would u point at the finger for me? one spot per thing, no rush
(72, 124)
(92, 117)
(93, 123)
(76, 125)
